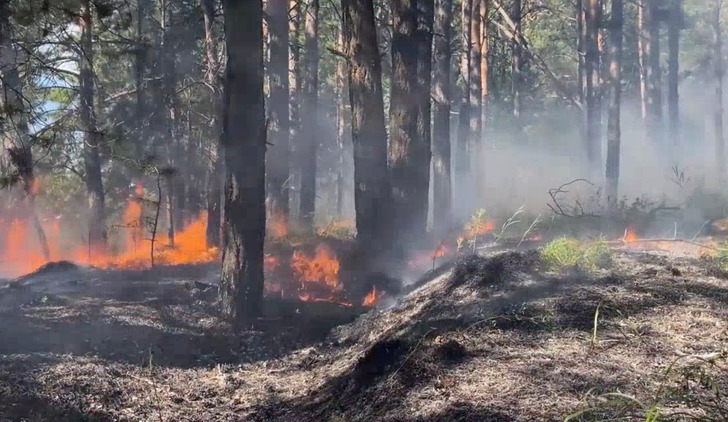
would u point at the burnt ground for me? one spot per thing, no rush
(491, 339)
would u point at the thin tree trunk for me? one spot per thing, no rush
(462, 152)
(244, 141)
(476, 94)
(371, 183)
(673, 93)
(172, 143)
(215, 175)
(642, 39)
(615, 85)
(516, 65)
(295, 20)
(278, 120)
(309, 107)
(484, 47)
(653, 74)
(718, 106)
(425, 27)
(91, 155)
(442, 96)
(593, 83)
(140, 65)
(342, 125)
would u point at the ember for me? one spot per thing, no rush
(371, 298)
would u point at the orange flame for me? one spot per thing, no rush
(371, 298)
(630, 236)
(322, 267)
(277, 225)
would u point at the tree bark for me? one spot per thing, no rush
(476, 95)
(673, 78)
(215, 174)
(309, 108)
(462, 152)
(593, 83)
(409, 149)
(718, 106)
(244, 142)
(442, 96)
(642, 38)
(484, 46)
(653, 74)
(371, 184)
(343, 121)
(140, 65)
(91, 135)
(615, 86)
(278, 119)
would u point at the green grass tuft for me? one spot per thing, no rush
(568, 252)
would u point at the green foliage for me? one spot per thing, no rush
(722, 256)
(569, 252)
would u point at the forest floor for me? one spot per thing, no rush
(491, 338)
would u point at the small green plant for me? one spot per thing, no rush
(569, 252)
(722, 256)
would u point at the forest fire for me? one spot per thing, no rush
(318, 274)
(372, 297)
(630, 236)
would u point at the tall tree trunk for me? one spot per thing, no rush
(462, 151)
(409, 151)
(244, 142)
(18, 144)
(425, 37)
(593, 83)
(172, 142)
(309, 107)
(642, 39)
(278, 120)
(215, 175)
(476, 94)
(371, 184)
(484, 47)
(615, 86)
(517, 65)
(91, 135)
(653, 73)
(718, 106)
(295, 20)
(342, 126)
(442, 96)
(581, 52)
(673, 78)
(140, 65)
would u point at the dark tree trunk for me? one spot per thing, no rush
(215, 175)
(278, 118)
(475, 125)
(309, 107)
(593, 83)
(244, 142)
(718, 106)
(425, 27)
(409, 150)
(295, 20)
(673, 78)
(91, 135)
(462, 151)
(653, 74)
(371, 192)
(442, 96)
(172, 143)
(615, 86)
(140, 65)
